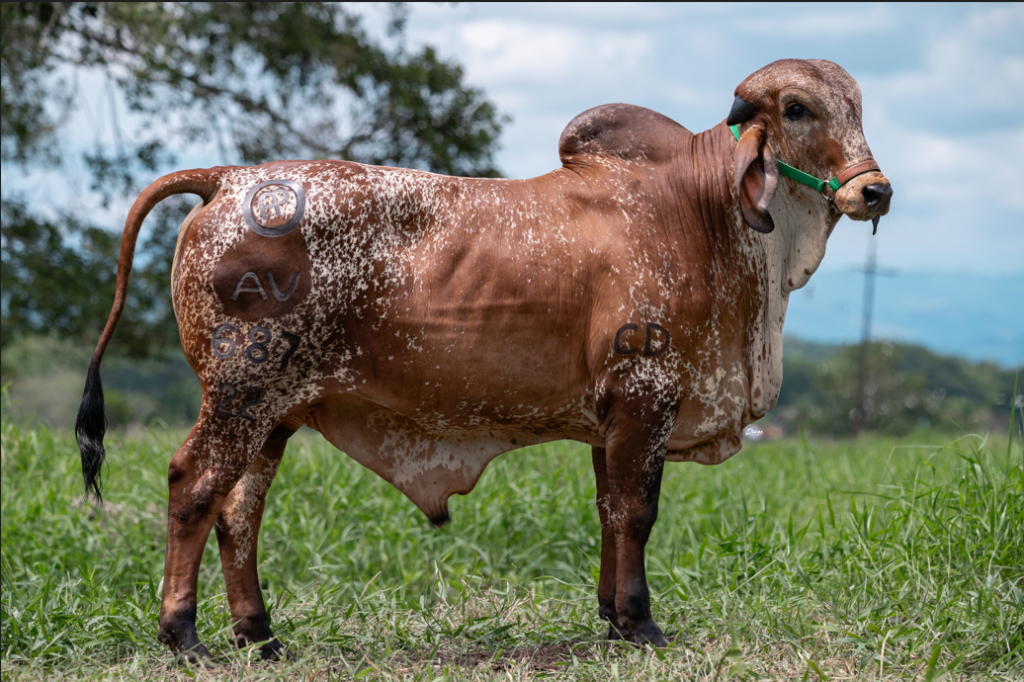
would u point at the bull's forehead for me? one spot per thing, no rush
(835, 90)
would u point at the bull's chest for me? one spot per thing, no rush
(714, 409)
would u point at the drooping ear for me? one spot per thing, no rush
(741, 112)
(757, 177)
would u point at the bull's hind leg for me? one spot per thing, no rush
(201, 475)
(238, 528)
(636, 434)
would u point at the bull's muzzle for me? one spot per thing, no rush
(866, 197)
(877, 196)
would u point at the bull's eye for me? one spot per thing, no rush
(795, 112)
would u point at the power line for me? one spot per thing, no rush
(870, 270)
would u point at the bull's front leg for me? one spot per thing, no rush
(636, 435)
(200, 477)
(606, 582)
(238, 528)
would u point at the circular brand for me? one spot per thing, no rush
(274, 208)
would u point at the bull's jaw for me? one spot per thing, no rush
(804, 223)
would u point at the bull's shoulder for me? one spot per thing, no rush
(622, 131)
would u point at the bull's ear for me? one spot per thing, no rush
(757, 177)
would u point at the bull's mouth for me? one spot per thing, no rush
(866, 197)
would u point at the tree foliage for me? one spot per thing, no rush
(907, 387)
(255, 81)
(58, 279)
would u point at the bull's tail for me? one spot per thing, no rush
(91, 424)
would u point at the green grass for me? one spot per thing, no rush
(865, 560)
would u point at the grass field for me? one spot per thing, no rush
(866, 560)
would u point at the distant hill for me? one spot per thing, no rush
(908, 387)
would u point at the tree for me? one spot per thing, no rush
(58, 279)
(909, 387)
(257, 80)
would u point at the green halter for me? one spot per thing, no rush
(813, 182)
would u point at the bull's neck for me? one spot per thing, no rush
(779, 262)
(711, 154)
(803, 218)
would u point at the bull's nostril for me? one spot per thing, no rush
(877, 196)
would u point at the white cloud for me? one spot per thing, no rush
(983, 169)
(807, 21)
(972, 72)
(503, 52)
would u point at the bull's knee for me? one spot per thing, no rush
(639, 525)
(175, 472)
(194, 507)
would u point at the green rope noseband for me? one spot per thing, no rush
(809, 180)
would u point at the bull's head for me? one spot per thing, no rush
(808, 115)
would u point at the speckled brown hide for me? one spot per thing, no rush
(427, 324)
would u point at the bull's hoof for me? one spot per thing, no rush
(270, 647)
(655, 639)
(273, 651)
(183, 641)
(199, 656)
(642, 633)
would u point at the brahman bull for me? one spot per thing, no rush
(427, 324)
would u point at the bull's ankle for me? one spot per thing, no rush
(253, 630)
(178, 632)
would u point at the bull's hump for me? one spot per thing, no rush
(622, 131)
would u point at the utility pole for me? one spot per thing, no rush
(870, 270)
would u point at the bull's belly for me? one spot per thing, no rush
(434, 447)
(428, 417)
(430, 456)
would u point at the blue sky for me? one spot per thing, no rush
(943, 90)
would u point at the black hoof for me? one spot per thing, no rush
(180, 636)
(273, 651)
(199, 656)
(270, 648)
(642, 633)
(656, 639)
(648, 633)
